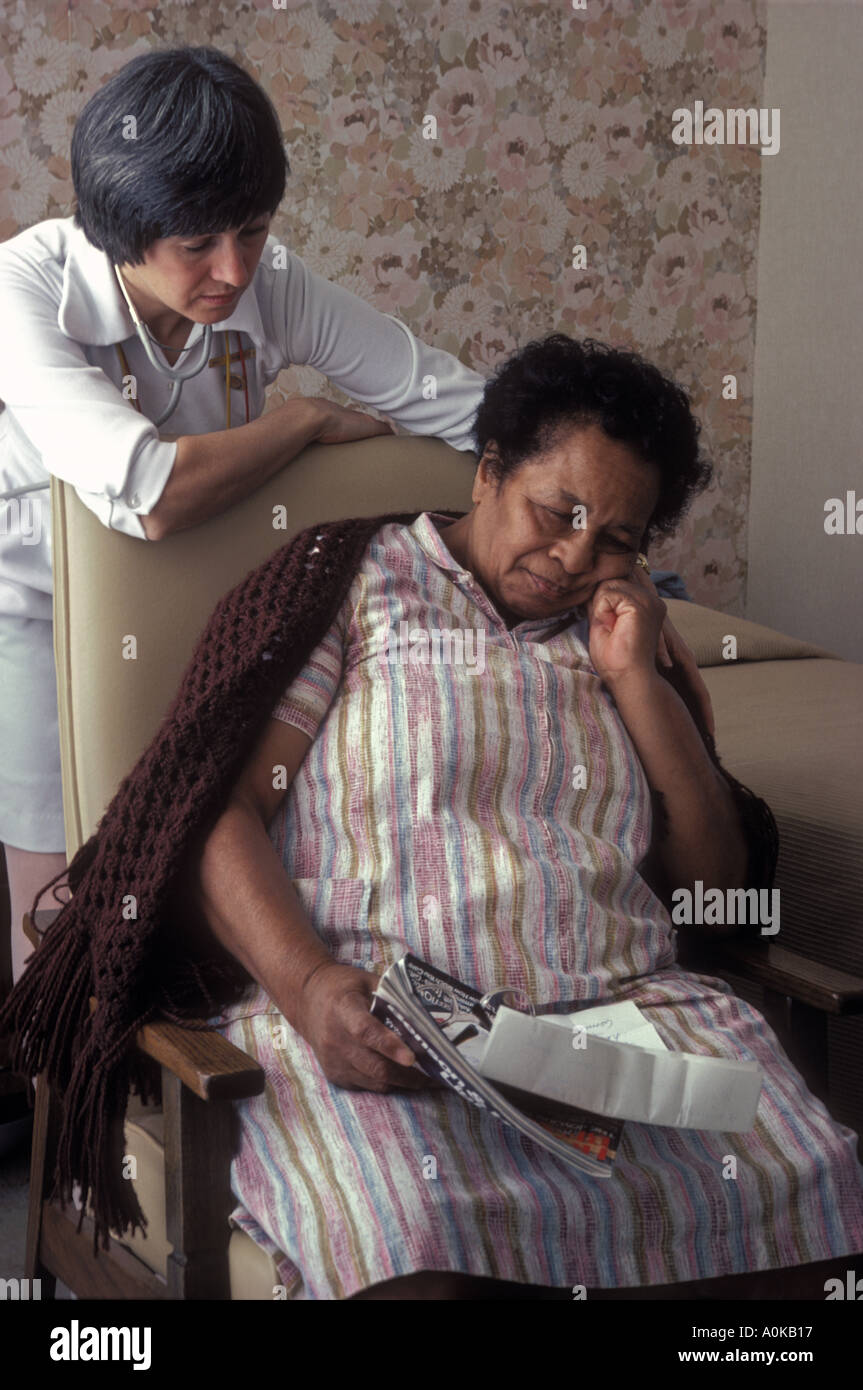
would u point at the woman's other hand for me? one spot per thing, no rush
(354, 1048)
(339, 424)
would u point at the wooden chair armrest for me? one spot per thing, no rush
(204, 1061)
(776, 968)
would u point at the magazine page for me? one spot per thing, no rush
(616, 1079)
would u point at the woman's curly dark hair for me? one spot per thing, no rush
(557, 382)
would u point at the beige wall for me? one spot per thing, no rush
(807, 442)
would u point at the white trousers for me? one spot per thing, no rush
(31, 794)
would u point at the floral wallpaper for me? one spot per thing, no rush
(554, 130)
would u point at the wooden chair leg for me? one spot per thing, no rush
(199, 1201)
(41, 1170)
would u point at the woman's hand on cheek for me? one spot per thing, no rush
(673, 651)
(663, 647)
(625, 623)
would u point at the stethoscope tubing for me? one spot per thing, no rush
(176, 378)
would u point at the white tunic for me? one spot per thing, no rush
(61, 380)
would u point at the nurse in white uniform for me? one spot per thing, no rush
(167, 270)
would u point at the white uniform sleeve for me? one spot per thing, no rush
(77, 419)
(373, 357)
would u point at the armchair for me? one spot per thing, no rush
(108, 587)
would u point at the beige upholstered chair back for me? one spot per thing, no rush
(110, 588)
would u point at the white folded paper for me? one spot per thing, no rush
(573, 1059)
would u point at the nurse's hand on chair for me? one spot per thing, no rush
(354, 1049)
(339, 425)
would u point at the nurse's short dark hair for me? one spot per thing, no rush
(556, 383)
(202, 153)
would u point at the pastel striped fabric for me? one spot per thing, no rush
(490, 815)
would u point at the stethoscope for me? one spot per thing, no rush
(176, 378)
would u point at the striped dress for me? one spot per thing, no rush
(485, 809)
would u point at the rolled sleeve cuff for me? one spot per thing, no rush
(148, 474)
(145, 483)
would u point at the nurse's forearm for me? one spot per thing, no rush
(239, 884)
(214, 471)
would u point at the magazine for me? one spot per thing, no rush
(441, 1020)
(567, 1081)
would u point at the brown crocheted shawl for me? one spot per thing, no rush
(117, 938)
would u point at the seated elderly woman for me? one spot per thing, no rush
(497, 818)
(318, 801)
